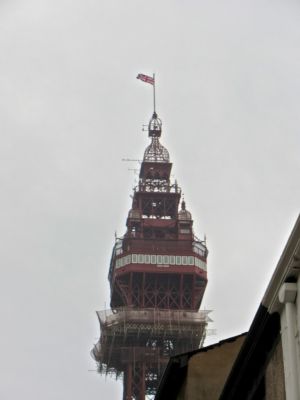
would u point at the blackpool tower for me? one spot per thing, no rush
(157, 277)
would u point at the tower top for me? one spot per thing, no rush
(155, 152)
(154, 127)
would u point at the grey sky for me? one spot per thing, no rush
(228, 92)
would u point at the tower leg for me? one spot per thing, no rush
(134, 382)
(139, 386)
(127, 384)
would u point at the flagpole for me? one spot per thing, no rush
(154, 92)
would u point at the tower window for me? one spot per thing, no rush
(166, 259)
(178, 260)
(141, 258)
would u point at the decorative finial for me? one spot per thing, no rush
(183, 204)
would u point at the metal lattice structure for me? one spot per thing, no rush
(157, 278)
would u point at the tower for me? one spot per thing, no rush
(157, 278)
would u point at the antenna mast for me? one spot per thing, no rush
(154, 105)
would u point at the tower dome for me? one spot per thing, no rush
(156, 152)
(134, 213)
(184, 214)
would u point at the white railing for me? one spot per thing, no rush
(160, 260)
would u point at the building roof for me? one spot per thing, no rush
(176, 370)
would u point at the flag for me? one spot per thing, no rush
(146, 78)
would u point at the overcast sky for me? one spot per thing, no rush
(228, 92)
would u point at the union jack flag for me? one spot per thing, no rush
(146, 78)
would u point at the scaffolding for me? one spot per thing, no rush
(146, 338)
